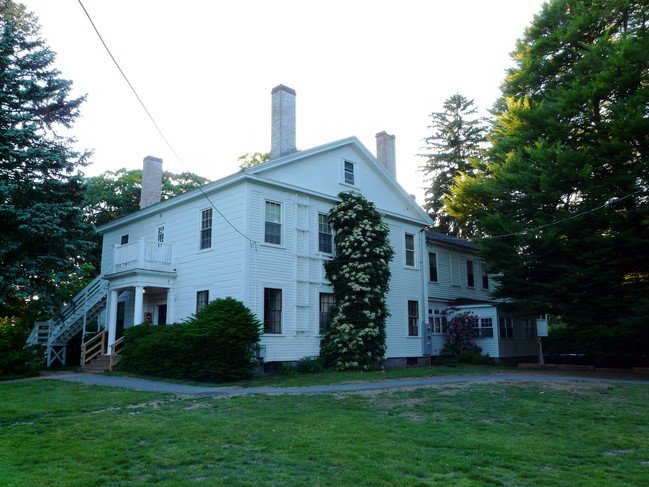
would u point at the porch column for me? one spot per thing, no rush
(138, 316)
(170, 305)
(112, 318)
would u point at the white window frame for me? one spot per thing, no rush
(483, 274)
(490, 327)
(411, 317)
(157, 233)
(407, 251)
(198, 292)
(330, 234)
(470, 263)
(281, 223)
(321, 313)
(201, 229)
(281, 310)
(434, 254)
(529, 329)
(438, 322)
(505, 323)
(353, 173)
(126, 237)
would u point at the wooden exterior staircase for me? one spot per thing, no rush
(73, 318)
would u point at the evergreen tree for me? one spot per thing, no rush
(42, 237)
(570, 145)
(360, 275)
(457, 138)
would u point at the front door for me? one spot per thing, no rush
(162, 314)
(121, 313)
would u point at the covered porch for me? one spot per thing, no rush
(135, 296)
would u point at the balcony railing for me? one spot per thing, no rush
(143, 254)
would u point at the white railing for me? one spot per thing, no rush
(143, 254)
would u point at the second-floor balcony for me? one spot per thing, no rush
(143, 254)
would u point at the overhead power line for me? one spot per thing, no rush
(156, 125)
(609, 203)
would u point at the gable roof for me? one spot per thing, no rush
(256, 174)
(353, 141)
(449, 239)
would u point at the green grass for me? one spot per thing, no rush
(334, 377)
(523, 434)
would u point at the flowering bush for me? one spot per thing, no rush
(360, 275)
(462, 328)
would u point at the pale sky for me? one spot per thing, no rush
(205, 70)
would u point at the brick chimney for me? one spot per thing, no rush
(151, 181)
(386, 153)
(283, 122)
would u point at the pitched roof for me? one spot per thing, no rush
(441, 237)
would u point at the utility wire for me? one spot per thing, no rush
(609, 203)
(252, 242)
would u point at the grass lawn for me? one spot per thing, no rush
(334, 377)
(567, 433)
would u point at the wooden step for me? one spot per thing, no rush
(101, 363)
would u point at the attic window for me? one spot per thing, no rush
(349, 173)
(124, 239)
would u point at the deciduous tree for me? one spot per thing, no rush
(360, 275)
(568, 173)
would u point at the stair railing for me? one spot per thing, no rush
(94, 347)
(80, 304)
(115, 353)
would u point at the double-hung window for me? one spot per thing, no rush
(272, 310)
(432, 266)
(486, 328)
(202, 298)
(410, 250)
(413, 318)
(485, 277)
(325, 236)
(326, 311)
(506, 327)
(349, 175)
(273, 223)
(529, 329)
(206, 229)
(160, 234)
(470, 278)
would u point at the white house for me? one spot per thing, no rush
(457, 277)
(261, 236)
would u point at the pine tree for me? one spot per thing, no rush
(570, 145)
(458, 136)
(360, 275)
(42, 237)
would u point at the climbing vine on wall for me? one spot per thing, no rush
(360, 275)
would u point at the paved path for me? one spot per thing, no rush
(167, 387)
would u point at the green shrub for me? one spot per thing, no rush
(469, 357)
(311, 365)
(217, 343)
(287, 368)
(16, 360)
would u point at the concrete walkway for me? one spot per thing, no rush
(170, 388)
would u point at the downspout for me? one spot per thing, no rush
(425, 332)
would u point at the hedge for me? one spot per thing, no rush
(215, 344)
